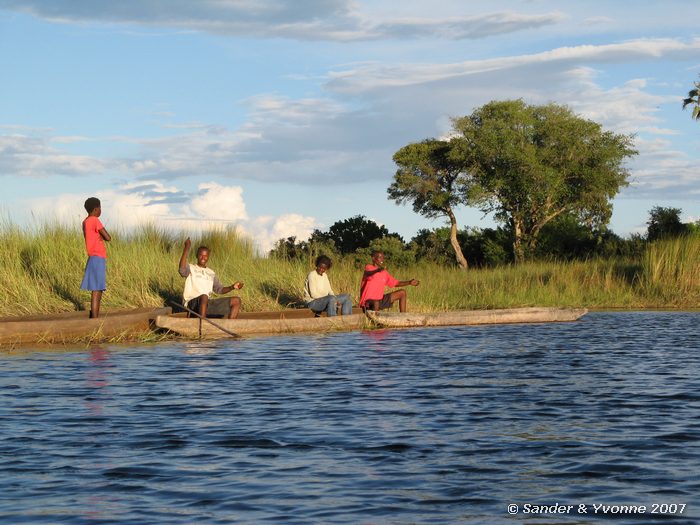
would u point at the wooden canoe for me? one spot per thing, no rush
(72, 327)
(260, 323)
(475, 317)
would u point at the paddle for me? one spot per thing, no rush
(236, 336)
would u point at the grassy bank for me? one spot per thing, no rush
(44, 265)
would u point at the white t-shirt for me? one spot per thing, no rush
(200, 281)
(317, 286)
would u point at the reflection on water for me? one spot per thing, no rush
(392, 426)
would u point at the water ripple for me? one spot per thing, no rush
(406, 426)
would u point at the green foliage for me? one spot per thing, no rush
(532, 164)
(487, 247)
(288, 248)
(693, 99)
(693, 227)
(342, 238)
(356, 232)
(395, 252)
(432, 177)
(671, 271)
(318, 244)
(432, 246)
(664, 223)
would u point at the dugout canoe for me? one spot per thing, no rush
(71, 327)
(475, 317)
(289, 321)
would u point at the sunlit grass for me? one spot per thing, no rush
(44, 266)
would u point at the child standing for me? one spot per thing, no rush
(95, 278)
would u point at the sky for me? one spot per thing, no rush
(279, 117)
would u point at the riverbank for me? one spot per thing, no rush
(44, 268)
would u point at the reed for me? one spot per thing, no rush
(45, 263)
(671, 271)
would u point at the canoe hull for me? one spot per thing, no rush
(302, 321)
(74, 327)
(476, 317)
(267, 325)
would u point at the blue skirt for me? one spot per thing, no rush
(95, 278)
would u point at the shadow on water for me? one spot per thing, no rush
(282, 295)
(29, 258)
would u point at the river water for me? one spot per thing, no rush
(443, 426)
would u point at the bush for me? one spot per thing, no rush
(395, 252)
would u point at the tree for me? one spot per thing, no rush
(665, 222)
(694, 99)
(288, 248)
(433, 179)
(532, 164)
(393, 249)
(355, 232)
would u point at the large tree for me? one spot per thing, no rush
(431, 177)
(532, 164)
(693, 99)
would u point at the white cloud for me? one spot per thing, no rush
(339, 20)
(214, 206)
(267, 230)
(25, 155)
(370, 77)
(221, 203)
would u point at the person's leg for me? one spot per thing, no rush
(235, 307)
(331, 306)
(203, 304)
(400, 296)
(345, 303)
(95, 299)
(319, 305)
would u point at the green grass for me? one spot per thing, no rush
(44, 264)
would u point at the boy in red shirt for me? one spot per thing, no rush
(95, 278)
(374, 280)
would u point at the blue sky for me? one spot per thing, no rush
(281, 117)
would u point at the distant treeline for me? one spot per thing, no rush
(564, 239)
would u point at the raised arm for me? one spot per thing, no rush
(412, 282)
(183, 268)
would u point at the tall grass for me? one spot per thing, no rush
(671, 271)
(44, 264)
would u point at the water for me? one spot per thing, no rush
(387, 427)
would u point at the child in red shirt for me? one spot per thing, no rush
(374, 280)
(95, 278)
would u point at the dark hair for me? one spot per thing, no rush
(202, 248)
(323, 259)
(375, 252)
(91, 204)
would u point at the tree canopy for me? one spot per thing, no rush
(693, 99)
(531, 164)
(355, 232)
(665, 222)
(432, 178)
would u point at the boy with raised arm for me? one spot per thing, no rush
(201, 281)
